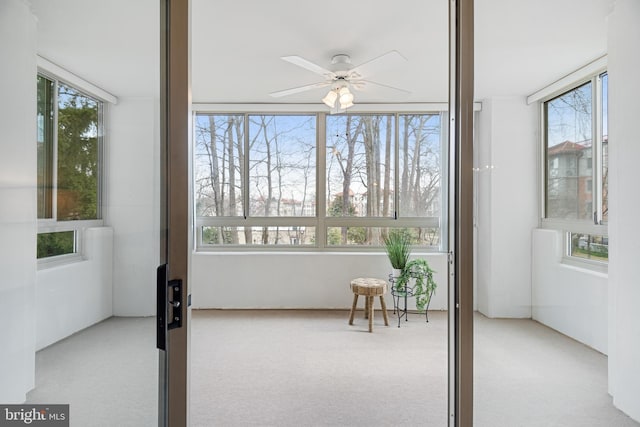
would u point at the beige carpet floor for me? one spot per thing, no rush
(309, 368)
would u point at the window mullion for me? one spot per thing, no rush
(101, 126)
(396, 168)
(321, 179)
(595, 147)
(542, 163)
(54, 187)
(573, 226)
(597, 150)
(245, 172)
(444, 172)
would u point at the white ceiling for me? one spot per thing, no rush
(520, 46)
(113, 44)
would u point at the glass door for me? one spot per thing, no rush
(84, 222)
(173, 298)
(221, 276)
(546, 318)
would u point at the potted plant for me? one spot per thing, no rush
(417, 279)
(397, 243)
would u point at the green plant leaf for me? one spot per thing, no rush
(424, 286)
(398, 246)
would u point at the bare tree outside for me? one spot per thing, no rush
(281, 169)
(421, 166)
(281, 175)
(356, 173)
(420, 162)
(279, 152)
(218, 171)
(570, 155)
(361, 179)
(577, 166)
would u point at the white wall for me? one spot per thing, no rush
(294, 280)
(569, 299)
(507, 210)
(74, 296)
(482, 214)
(17, 200)
(133, 208)
(624, 206)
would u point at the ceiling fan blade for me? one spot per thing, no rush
(299, 89)
(369, 82)
(385, 61)
(308, 65)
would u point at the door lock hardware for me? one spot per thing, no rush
(168, 306)
(175, 304)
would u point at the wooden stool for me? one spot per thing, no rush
(369, 288)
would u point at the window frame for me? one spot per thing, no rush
(59, 76)
(595, 226)
(321, 222)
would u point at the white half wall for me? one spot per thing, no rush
(74, 296)
(132, 204)
(569, 299)
(624, 206)
(304, 280)
(506, 197)
(17, 199)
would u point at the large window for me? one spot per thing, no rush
(576, 153)
(282, 170)
(284, 180)
(255, 179)
(69, 128)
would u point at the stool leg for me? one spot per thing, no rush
(384, 311)
(370, 304)
(366, 307)
(353, 308)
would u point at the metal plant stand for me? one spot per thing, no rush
(404, 294)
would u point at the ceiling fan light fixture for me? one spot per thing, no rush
(330, 98)
(339, 99)
(345, 105)
(346, 98)
(341, 78)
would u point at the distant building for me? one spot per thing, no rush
(570, 180)
(283, 207)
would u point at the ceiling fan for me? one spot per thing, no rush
(342, 76)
